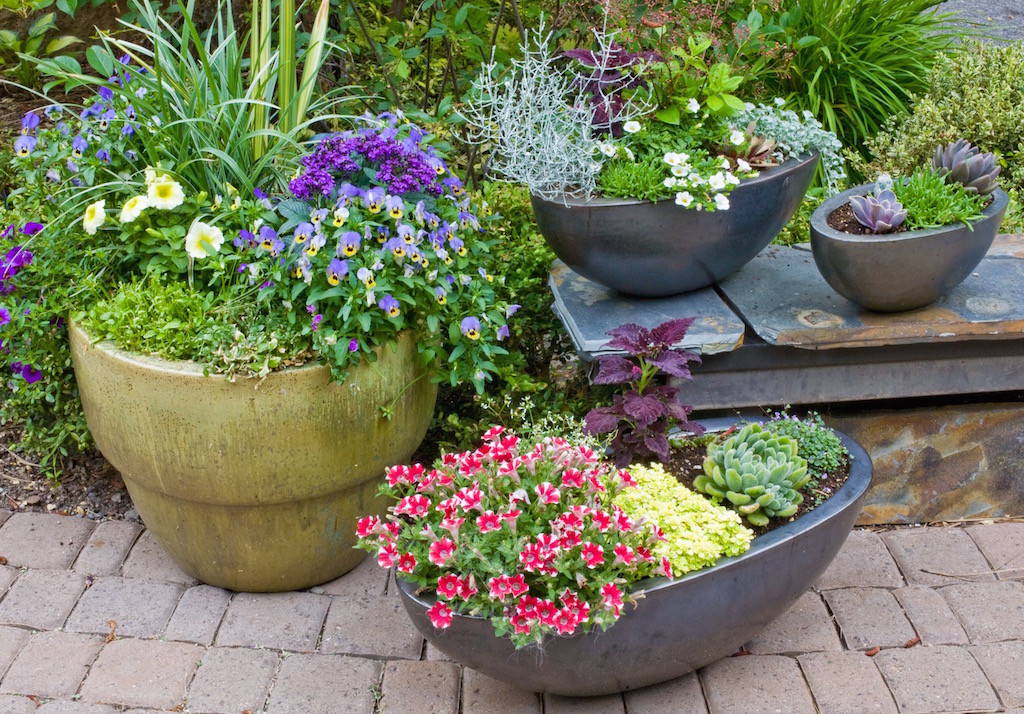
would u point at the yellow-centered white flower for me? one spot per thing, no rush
(721, 202)
(737, 137)
(133, 208)
(717, 181)
(742, 165)
(150, 176)
(94, 217)
(203, 240)
(165, 193)
(684, 199)
(607, 149)
(631, 127)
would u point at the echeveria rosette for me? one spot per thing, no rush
(527, 535)
(641, 417)
(879, 213)
(960, 162)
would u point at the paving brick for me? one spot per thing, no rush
(4, 515)
(315, 684)
(43, 540)
(756, 684)
(863, 561)
(805, 627)
(374, 625)
(869, 617)
(1003, 664)
(12, 639)
(142, 673)
(198, 615)
(931, 617)
(106, 548)
(420, 686)
(846, 683)
(1003, 546)
(11, 704)
(609, 704)
(140, 608)
(68, 706)
(367, 578)
(41, 599)
(232, 680)
(283, 621)
(989, 612)
(7, 577)
(937, 556)
(677, 696)
(935, 679)
(148, 560)
(484, 695)
(435, 655)
(52, 664)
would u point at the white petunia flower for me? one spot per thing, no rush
(717, 181)
(679, 171)
(693, 105)
(94, 217)
(203, 240)
(133, 208)
(165, 193)
(684, 199)
(150, 176)
(670, 182)
(631, 127)
(670, 158)
(731, 178)
(737, 137)
(695, 178)
(607, 149)
(629, 153)
(742, 165)
(721, 202)
(725, 163)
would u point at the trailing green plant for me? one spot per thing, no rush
(930, 202)
(697, 532)
(817, 443)
(758, 472)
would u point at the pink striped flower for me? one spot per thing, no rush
(440, 615)
(441, 551)
(592, 554)
(488, 521)
(406, 563)
(547, 493)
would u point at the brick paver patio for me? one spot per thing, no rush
(96, 619)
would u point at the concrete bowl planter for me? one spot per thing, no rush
(253, 485)
(654, 249)
(905, 270)
(680, 625)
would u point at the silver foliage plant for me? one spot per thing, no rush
(795, 136)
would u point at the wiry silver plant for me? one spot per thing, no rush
(537, 121)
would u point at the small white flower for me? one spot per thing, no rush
(94, 217)
(717, 182)
(607, 149)
(684, 199)
(371, 299)
(670, 158)
(629, 153)
(165, 193)
(725, 163)
(695, 178)
(780, 102)
(731, 178)
(631, 127)
(669, 182)
(721, 202)
(693, 105)
(678, 171)
(742, 165)
(133, 208)
(203, 240)
(150, 176)
(737, 137)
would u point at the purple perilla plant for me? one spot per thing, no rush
(612, 72)
(641, 416)
(880, 212)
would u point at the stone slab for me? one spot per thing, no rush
(937, 556)
(608, 704)
(756, 684)
(107, 547)
(7, 577)
(232, 680)
(315, 684)
(936, 679)
(12, 639)
(13, 704)
(52, 664)
(420, 686)
(138, 608)
(589, 310)
(805, 627)
(1003, 664)
(284, 621)
(863, 561)
(931, 617)
(785, 299)
(869, 617)
(149, 560)
(484, 695)
(69, 706)
(989, 612)
(43, 540)
(677, 696)
(1003, 546)
(846, 683)
(198, 615)
(374, 625)
(142, 673)
(367, 578)
(41, 599)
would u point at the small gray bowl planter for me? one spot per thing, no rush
(901, 271)
(654, 249)
(679, 625)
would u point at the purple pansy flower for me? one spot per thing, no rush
(31, 228)
(24, 145)
(470, 327)
(78, 146)
(389, 305)
(5, 316)
(336, 270)
(103, 155)
(29, 123)
(348, 244)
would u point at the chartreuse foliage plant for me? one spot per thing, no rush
(697, 532)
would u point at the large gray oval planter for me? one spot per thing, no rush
(654, 249)
(905, 270)
(680, 625)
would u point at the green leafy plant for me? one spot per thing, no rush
(816, 443)
(18, 52)
(758, 472)
(691, 74)
(930, 202)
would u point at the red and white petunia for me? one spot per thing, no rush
(572, 478)
(531, 557)
(448, 586)
(470, 496)
(588, 454)
(624, 555)
(467, 587)
(602, 520)
(546, 611)
(622, 521)
(510, 442)
(493, 433)
(520, 624)
(549, 546)
(594, 482)
(441, 551)
(626, 478)
(612, 598)
(449, 506)
(488, 521)
(664, 568)
(570, 539)
(406, 563)
(566, 621)
(500, 587)
(579, 607)
(645, 554)
(547, 493)
(367, 526)
(391, 529)
(452, 525)
(511, 515)
(517, 585)
(398, 475)
(416, 506)
(470, 466)
(387, 555)
(440, 615)
(570, 521)
(592, 554)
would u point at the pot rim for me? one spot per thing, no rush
(600, 202)
(819, 219)
(856, 484)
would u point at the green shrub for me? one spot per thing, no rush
(697, 531)
(816, 443)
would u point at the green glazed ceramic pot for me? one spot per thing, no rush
(253, 485)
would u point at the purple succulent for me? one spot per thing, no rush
(879, 213)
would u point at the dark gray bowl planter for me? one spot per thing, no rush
(680, 625)
(905, 270)
(653, 249)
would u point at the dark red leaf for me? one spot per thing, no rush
(658, 444)
(616, 370)
(643, 409)
(630, 338)
(672, 331)
(601, 420)
(675, 362)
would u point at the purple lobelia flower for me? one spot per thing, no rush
(31, 374)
